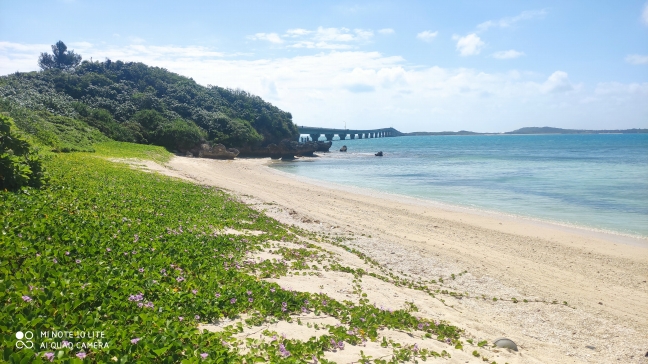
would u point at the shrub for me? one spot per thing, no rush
(19, 164)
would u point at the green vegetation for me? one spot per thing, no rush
(20, 165)
(143, 259)
(133, 102)
(60, 58)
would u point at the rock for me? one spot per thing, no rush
(286, 149)
(379, 154)
(343, 149)
(218, 151)
(505, 343)
(189, 154)
(590, 347)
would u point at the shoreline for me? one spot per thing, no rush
(503, 259)
(617, 236)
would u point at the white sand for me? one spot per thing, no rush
(603, 276)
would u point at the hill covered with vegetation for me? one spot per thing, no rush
(133, 102)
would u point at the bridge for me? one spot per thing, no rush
(315, 133)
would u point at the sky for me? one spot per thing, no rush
(486, 66)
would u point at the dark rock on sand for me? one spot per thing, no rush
(343, 149)
(379, 154)
(218, 151)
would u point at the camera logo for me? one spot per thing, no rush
(24, 340)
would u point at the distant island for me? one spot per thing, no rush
(533, 130)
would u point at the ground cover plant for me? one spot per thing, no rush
(143, 259)
(20, 164)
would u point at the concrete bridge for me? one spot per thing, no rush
(315, 133)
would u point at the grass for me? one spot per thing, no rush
(137, 257)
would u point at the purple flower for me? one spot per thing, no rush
(140, 304)
(250, 299)
(66, 344)
(306, 302)
(415, 348)
(136, 238)
(284, 304)
(282, 350)
(135, 340)
(249, 292)
(26, 298)
(323, 302)
(217, 295)
(315, 359)
(49, 356)
(341, 345)
(180, 318)
(233, 300)
(133, 252)
(197, 317)
(272, 290)
(162, 270)
(420, 326)
(149, 305)
(81, 355)
(38, 254)
(194, 291)
(108, 249)
(180, 279)
(204, 355)
(141, 270)
(78, 261)
(55, 261)
(67, 253)
(125, 253)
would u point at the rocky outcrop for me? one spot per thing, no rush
(343, 149)
(286, 149)
(379, 154)
(218, 151)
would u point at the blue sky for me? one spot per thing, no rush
(414, 65)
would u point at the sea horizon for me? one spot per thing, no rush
(598, 182)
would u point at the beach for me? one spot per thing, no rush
(586, 291)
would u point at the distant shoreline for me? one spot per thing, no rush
(532, 131)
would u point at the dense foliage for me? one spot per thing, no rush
(137, 103)
(60, 58)
(20, 164)
(138, 257)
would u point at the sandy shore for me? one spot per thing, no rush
(602, 277)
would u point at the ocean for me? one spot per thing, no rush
(597, 181)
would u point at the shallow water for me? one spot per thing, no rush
(596, 181)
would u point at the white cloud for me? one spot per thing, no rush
(386, 31)
(427, 36)
(298, 32)
(511, 53)
(507, 22)
(469, 45)
(644, 15)
(636, 59)
(320, 38)
(270, 37)
(557, 82)
(372, 90)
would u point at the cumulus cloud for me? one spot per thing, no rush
(270, 37)
(511, 53)
(386, 31)
(427, 36)
(557, 82)
(321, 38)
(510, 21)
(636, 59)
(469, 45)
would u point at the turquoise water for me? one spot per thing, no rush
(597, 181)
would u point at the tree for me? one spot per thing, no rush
(61, 58)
